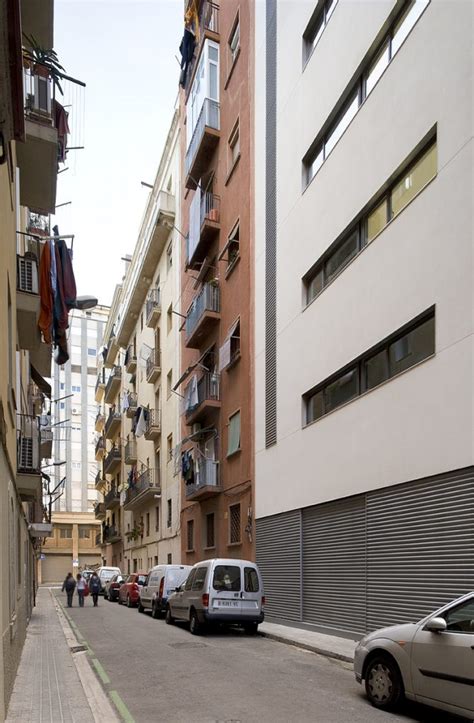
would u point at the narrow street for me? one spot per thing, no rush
(161, 672)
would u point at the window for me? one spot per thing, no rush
(234, 146)
(234, 524)
(251, 580)
(204, 94)
(84, 533)
(234, 434)
(210, 533)
(169, 447)
(189, 582)
(190, 535)
(399, 352)
(199, 578)
(169, 257)
(65, 533)
(234, 41)
(315, 28)
(226, 577)
(169, 383)
(157, 518)
(230, 350)
(356, 94)
(62, 385)
(412, 181)
(169, 318)
(460, 619)
(231, 251)
(75, 388)
(169, 518)
(91, 352)
(170, 558)
(147, 526)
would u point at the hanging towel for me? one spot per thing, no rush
(141, 424)
(45, 321)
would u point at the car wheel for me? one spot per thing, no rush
(169, 619)
(119, 600)
(194, 624)
(251, 628)
(383, 682)
(154, 611)
(141, 609)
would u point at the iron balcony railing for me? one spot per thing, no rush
(112, 496)
(113, 456)
(99, 419)
(99, 478)
(206, 475)
(153, 302)
(148, 480)
(114, 416)
(131, 401)
(208, 299)
(130, 450)
(153, 361)
(153, 421)
(115, 374)
(201, 390)
(111, 532)
(130, 356)
(38, 222)
(39, 91)
(100, 445)
(100, 379)
(209, 117)
(99, 510)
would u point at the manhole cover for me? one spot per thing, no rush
(187, 645)
(78, 648)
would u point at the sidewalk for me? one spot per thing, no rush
(329, 645)
(49, 686)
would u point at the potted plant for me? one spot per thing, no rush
(44, 62)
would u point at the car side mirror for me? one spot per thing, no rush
(436, 625)
(177, 589)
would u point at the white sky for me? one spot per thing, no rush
(124, 50)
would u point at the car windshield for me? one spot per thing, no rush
(174, 578)
(107, 574)
(141, 579)
(226, 577)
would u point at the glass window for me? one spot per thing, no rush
(315, 285)
(376, 369)
(341, 390)
(141, 580)
(199, 578)
(341, 256)
(65, 533)
(190, 580)
(461, 618)
(190, 535)
(251, 580)
(234, 523)
(91, 352)
(376, 221)
(413, 347)
(342, 124)
(315, 406)
(406, 22)
(377, 68)
(316, 163)
(226, 577)
(414, 180)
(213, 81)
(234, 42)
(84, 533)
(317, 31)
(210, 536)
(234, 434)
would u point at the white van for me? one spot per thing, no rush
(222, 590)
(161, 582)
(105, 574)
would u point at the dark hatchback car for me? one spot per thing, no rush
(112, 587)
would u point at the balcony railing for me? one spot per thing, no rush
(153, 308)
(99, 511)
(153, 424)
(111, 533)
(200, 391)
(146, 486)
(98, 538)
(209, 117)
(208, 299)
(99, 422)
(206, 479)
(130, 452)
(204, 217)
(112, 460)
(38, 97)
(112, 425)
(99, 481)
(130, 360)
(100, 386)
(113, 384)
(112, 498)
(38, 223)
(130, 404)
(99, 448)
(153, 366)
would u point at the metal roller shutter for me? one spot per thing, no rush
(334, 565)
(54, 568)
(279, 560)
(420, 547)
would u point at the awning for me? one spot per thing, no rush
(40, 381)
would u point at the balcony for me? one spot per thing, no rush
(112, 348)
(28, 477)
(113, 384)
(99, 422)
(100, 386)
(99, 511)
(201, 396)
(204, 225)
(203, 142)
(27, 300)
(130, 360)
(112, 425)
(38, 224)
(131, 452)
(112, 534)
(37, 157)
(112, 499)
(153, 425)
(206, 480)
(153, 366)
(208, 28)
(100, 482)
(46, 442)
(203, 315)
(100, 449)
(146, 488)
(153, 308)
(98, 538)
(113, 461)
(130, 404)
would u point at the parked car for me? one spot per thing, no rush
(112, 586)
(162, 581)
(129, 590)
(105, 573)
(222, 591)
(431, 662)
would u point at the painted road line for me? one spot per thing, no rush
(121, 707)
(100, 671)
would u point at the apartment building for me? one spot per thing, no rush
(140, 420)
(76, 539)
(364, 346)
(216, 381)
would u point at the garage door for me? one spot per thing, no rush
(54, 568)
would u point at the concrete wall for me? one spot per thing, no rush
(421, 422)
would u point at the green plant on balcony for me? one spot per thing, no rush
(135, 532)
(45, 61)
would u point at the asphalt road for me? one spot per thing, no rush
(163, 673)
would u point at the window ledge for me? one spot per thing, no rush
(234, 453)
(233, 361)
(231, 172)
(213, 547)
(231, 71)
(190, 549)
(231, 267)
(234, 544)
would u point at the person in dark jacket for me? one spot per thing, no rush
(94, 587)
(69, 585)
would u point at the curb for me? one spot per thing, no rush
(307, 646)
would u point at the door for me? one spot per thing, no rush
(179, 603)
(443, 663)
(225, 588)
(251, 594)
(147, 590)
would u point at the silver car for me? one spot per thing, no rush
(431, 662)
(219, 591)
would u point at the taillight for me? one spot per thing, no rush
(162, 584)
(263, 599)
(205, 600)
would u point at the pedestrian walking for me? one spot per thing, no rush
(94, 587)
(81, 589)
(69, 585)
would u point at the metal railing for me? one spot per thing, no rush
(153, 302)
(114, 455)
(112, 496)
(38, 222)
(153, 360)
(111, 532)
(208, 117)
(149, 479)
(154, 420)
(204, 206)
(130, 356)
(206, 475)
(99, 510)
(99, 478)
(130, 450)
(99, 418)
(100, 379)
(132, 399)
(115, 375)
(208, 299)
(100, 445)
(114, 416)
(200, 390)
(38, 96)
(98, 539)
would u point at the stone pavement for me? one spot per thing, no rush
(331, 646)
(48, 687)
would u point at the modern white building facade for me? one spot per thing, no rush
(364, 309)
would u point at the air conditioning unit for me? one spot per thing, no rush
(28, 453)
(196, 428)
(27, 275)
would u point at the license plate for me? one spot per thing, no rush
(227, 603)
